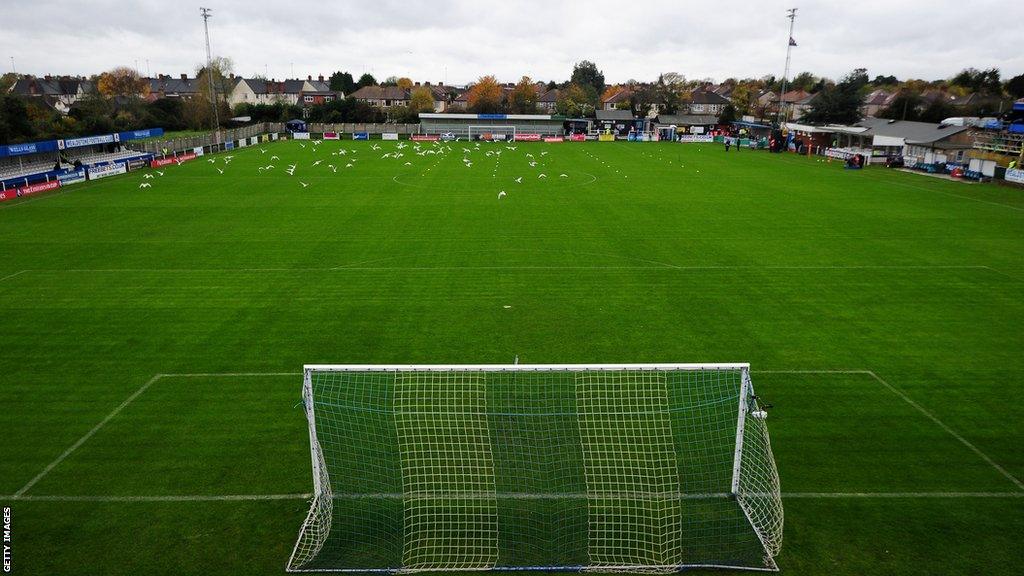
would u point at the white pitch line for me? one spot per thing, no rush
(399, 496)
(87, 435)
(9, 276)
(656, 266)
(949, 430)
(123, 405)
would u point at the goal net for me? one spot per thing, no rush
(499, 133)
(631, 468)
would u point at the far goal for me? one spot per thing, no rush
(621, 468)
(493, 133)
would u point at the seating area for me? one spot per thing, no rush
(18, 167)
(91, 157)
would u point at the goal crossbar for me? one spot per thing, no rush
(537, 467)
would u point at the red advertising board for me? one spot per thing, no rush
(528, 137)
(331, 136)
(12, 193)
(554, 139)
(158, 162)
(578, 137)
(425, 137)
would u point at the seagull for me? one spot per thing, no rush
(408, 163)
(349, 165)
(159, 172)
(274, 158)
(262, 150)
(317, 163)
(542, 176)
(469, 164)
(375, 147)
(303, 183)
(219, 170)
(148, 176)
(268, 167)
(333, 169)
(212, 160)
(519, 180)
(145, 185)
(563, 175)
(501, 194)
(301, 144)
(543, 153)
(342, 152)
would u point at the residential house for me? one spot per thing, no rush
(876, 101)
(305, 93)
(59, 93)
(547, 101)
(165, 86)
(382, 96)
(704, 102)
(613, 102)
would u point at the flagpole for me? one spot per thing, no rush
(785, 73)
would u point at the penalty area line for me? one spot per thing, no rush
(20, 494)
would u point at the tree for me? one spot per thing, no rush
(742, 98)
(14, 122)
(485, 96)
(803, 81)
(728, 114)
(979, 80)
(390, 81)
(404, 83)
(1015, 86)
(523, 98)
(670, 92)
(840, 104)
(6, 81)
(641, 98)
(122, 81)
(937, 111)
(342, 82)
(366, 79)
(885, 81)
(574, 101)
(905, 106)
(586, 74)
(421, 100)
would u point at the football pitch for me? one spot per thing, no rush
(153, 338)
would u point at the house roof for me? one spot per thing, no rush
(620, 96)
(50, 86)
(381, 93)
(911, 132)
(794, 96)
(688, 119)
(614, 115)
(877, 98)
(170, 85)
(705, 97)
(549, 96)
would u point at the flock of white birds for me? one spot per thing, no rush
(404, 152)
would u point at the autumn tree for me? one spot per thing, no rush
(404, 83)
(421, 100)
(485, 96)
(122, 81)
(523, 98)
(574, 101)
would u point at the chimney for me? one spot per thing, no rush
(427, 83)
(231, 75)
(185, 77)
(417, 84)
(48, 77)
(309, 78)
(320, 78)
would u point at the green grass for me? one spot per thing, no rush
(644, 253)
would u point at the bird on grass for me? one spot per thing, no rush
(219, 170)
(542, 176)
(148, 176)
(301, 144)
(349, 165)
(519, 180)
(317, 163)
(408, 163)
(303, 184)
(263, 151)
(563, 175)
(145, 185)
(212, 160)
(159, 172)
(274, 158)
(501, 194)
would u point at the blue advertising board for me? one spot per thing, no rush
(28, 148)
(360, 135)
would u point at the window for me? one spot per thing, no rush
(308, 98)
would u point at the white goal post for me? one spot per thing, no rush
(495, 131)
(562, 467)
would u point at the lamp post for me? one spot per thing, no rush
(206, 12)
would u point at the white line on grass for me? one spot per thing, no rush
(9, 276)
(658, 266)
(949, 430)
(399, 496)
(917, 407)
(122, 406)
(87, 435)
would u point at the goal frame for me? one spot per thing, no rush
(481, 128)
(745, 389)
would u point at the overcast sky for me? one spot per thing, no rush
(460, 40)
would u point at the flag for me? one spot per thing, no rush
(791, 41)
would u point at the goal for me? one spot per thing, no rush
(629, 468)
(500, 133)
